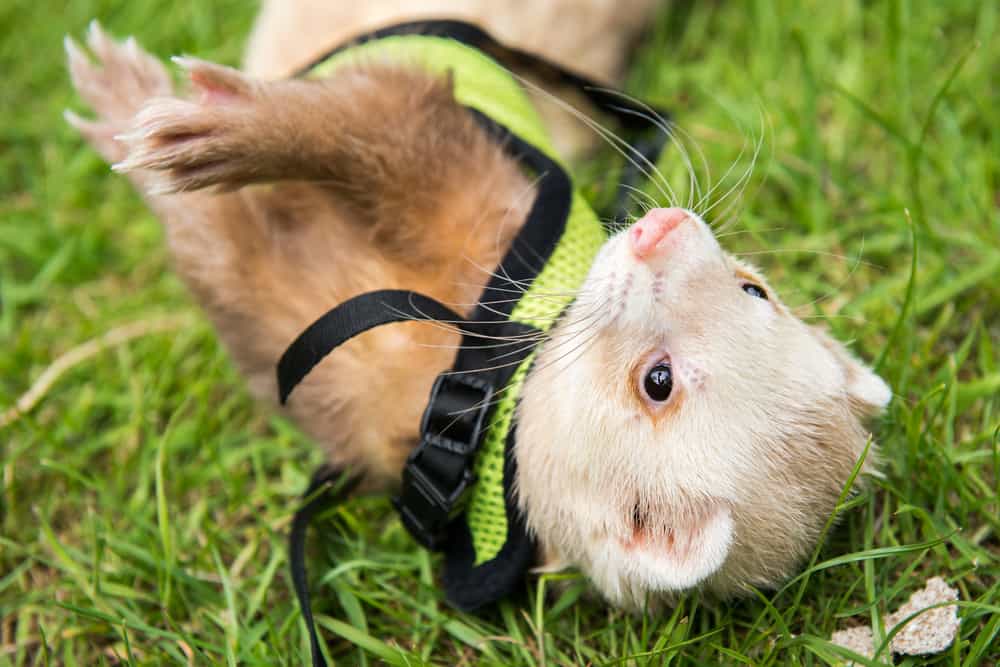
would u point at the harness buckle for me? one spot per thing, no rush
(438, 474)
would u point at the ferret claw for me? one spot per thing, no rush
(116, 79)
(77, 122)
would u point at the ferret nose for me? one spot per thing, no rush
(645, 236)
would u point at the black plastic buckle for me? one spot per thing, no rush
(438, 474)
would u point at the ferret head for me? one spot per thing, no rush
(681, 427)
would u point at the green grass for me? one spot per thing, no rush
(146, 499)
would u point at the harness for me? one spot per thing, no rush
(456, 494)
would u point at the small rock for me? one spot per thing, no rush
(931, 632)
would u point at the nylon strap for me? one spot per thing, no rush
(327, 486)
(353, 317)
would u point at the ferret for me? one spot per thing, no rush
(679, 428)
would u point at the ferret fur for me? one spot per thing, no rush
(282, 198)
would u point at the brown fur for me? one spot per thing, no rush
(375, 179)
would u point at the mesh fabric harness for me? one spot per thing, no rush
(457, 485)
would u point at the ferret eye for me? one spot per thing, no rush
(755, 290)
(659, 382)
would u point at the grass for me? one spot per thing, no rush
(146, 499)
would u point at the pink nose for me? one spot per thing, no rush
(645, 236)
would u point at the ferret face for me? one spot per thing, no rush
(681, 427)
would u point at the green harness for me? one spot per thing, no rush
(457, 492)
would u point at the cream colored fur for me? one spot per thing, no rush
(734, 476)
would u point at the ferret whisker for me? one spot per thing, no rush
(737, 232)
(495, 311)
(484, 369)
(648, 202)
(736, 195)
(515, 290)
(639, 204)
(615, 226)
(522, 349)
(498, 396)
(672, 139)
(523, 284)
(809, 251)
(652, 173)
(492, 402)
(515, 362)
(740, 186)
(620, 145)
(858, 318)
(669, 129)
(497, 302)
(537, 267)
(706, 167)
(580, 321)
(488, 273)
(837, 288)
(493, 274)
(612, 139)
(675, 133)
(484, 346)
(493, 346)
(679, 139)
(708, 195)
(581, 324)
(452, 326)
(581, 348)
(728, 216)
(546, 294)
(562, 342)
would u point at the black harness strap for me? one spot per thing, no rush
(353, 317)
(328, 485)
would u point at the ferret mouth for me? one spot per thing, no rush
(679, 548)
(673, 530)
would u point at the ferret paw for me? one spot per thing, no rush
(193, 144)
(116, 84)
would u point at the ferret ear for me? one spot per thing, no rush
(869, 394)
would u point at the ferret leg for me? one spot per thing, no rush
(119, 81)
(389, 144)
(367, 129)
